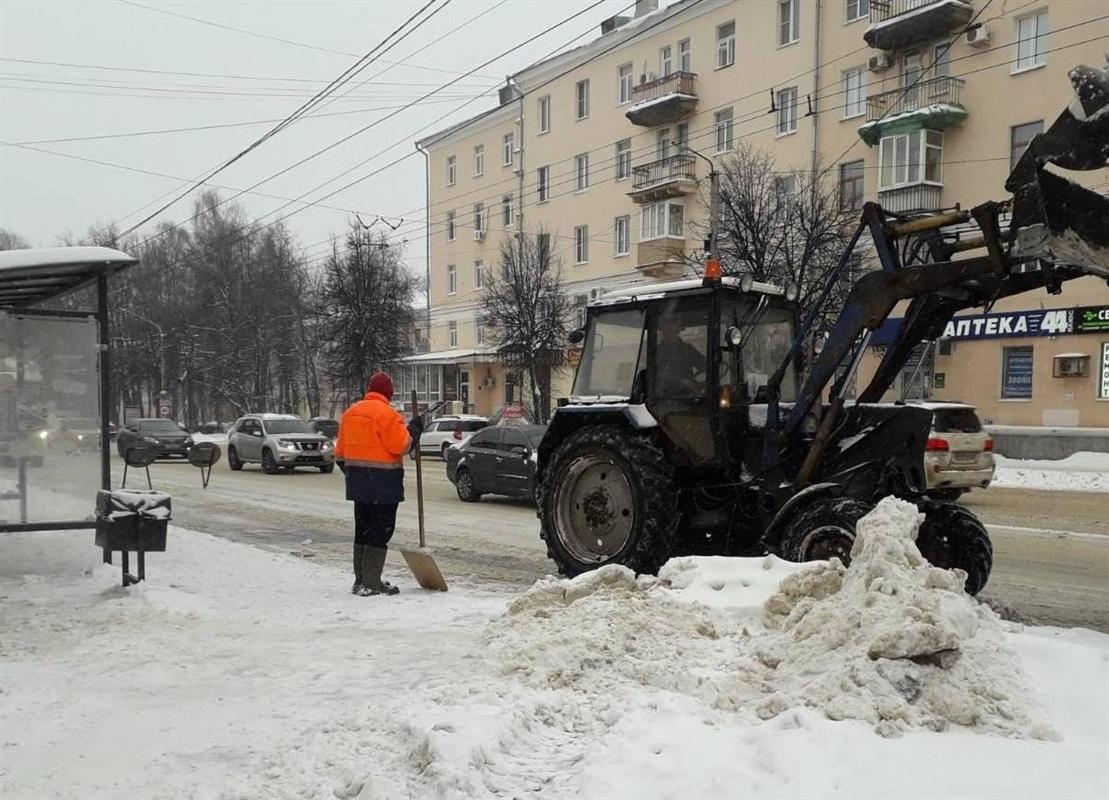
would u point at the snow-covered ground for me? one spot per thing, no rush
(238, 673)
(1079, 472)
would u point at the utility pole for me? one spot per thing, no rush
(711, 244)
(163, 392)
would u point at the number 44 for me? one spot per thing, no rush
(1055, 322)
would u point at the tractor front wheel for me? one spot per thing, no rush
(951, 537)
(608, 497)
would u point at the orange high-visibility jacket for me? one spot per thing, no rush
(372, 434)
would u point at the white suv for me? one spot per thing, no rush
(958, 456)
(440, 434)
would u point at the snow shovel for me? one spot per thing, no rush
(420, 561)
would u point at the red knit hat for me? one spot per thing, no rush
(382, 384)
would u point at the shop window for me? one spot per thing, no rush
(1016, 373)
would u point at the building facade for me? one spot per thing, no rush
(919, 104)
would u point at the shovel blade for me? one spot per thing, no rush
(425, 570)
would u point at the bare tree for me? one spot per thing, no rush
(11, 241)
(366, 309)
(525, 307)
(781, 226)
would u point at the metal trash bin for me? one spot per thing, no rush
(129, 520)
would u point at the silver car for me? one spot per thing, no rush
(279, 442)
(958, 456)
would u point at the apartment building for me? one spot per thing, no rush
(919, 104)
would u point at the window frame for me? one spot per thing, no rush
(479, 332)
(922, 146)
(479, 216)
(862, 10)
(1005, 368)
(858, 180)
(452, 334)
(508, 149)
(685, 55)
(508, 216)
(479, 160)
(794, 21)
(665, 60)
(1014, 156)
(581, 244)
(723, 122)
(849, 111)
(543, 184)
(581, 100)
(625, 83)
(452, 170)
(621, 234)
(660, 225)
(1039, 42)
(543, 111)
(581, 172)
(787, 112)
(452, 226)
(479, 274)
(452, 279)
(623, 159)
(725, 44)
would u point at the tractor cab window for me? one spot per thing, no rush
(766, 348)
(611, 355)
(680, 363)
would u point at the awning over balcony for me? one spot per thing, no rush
(897, 24)
(663, 100)
(933, 104)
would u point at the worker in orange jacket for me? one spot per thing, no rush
(373, 439)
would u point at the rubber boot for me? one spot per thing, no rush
(373, 561)
(359, 556)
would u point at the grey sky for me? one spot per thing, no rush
(43, 197)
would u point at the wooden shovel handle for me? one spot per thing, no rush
(419, 475)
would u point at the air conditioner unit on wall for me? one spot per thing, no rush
(1071, 365)
(879, 62)
(978, 36)
(479, 236)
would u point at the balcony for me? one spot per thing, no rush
(898, 24)
(920, 198)
(663, 100)
(933, 103)
(668, 177)
(661, 258)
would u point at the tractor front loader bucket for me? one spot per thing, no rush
(1054, 218)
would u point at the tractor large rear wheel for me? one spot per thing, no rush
(825, 529)
(608, 497)
(951, 537)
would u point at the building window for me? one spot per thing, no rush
(854, 93)
(623, 159)
(724, 130)
(581, 172)
(941, 63)
(851, 185)
(581, 99)
(900, 159)
(479, 216)
(785, 187)
(662, 143)
(479, 274)
(857, 9)
(787, 110)
(1016, 373)
(508, 149)
(685, 55)
(543, 245)
(1103, 373)
(450, 226)
(621, 227)
(1031, 41)
(479, 332)
(581, 244)
(581, 301)
(725, 44)
(545, 114)
(543, 183)
(452, 334)
(451, 170)
(659, 220)
(789, 21)
(624, 79)
(506, 211)
(452, 279)
(479, 160)
(665, 61)
(1020, 136)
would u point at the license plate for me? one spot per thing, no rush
(964, 458)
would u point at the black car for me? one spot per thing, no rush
(495, 460)
(172, 439)
(325, 426)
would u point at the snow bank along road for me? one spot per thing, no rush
(239, 674)
(1041, 574)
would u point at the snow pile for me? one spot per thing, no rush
(894, 641)
(1078, 472)
(891, 641)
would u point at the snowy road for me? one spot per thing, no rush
(1042, 573)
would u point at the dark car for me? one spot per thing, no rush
(496, 460)
(172, 439)
(325, 426)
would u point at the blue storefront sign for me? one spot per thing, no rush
(1005, 325)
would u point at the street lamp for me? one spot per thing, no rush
(714, 199)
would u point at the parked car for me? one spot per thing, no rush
(279, 442)
(440, 434)
(959, 454)
(495, 460)
(172, 439)
(325, 426)
(81, 433)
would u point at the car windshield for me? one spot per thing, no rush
(534, 436)
(159, 426)
(955, 420)
(470, 425)
(326, 426)
(287, 426)
(611, 354)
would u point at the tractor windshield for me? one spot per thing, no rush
(611, 353)
(768, 335)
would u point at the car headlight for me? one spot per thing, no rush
(80, 437)
(288, 444)
(189, 441)
(327, 445)
(44, 435)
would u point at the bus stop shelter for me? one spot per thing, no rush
(55, 374)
